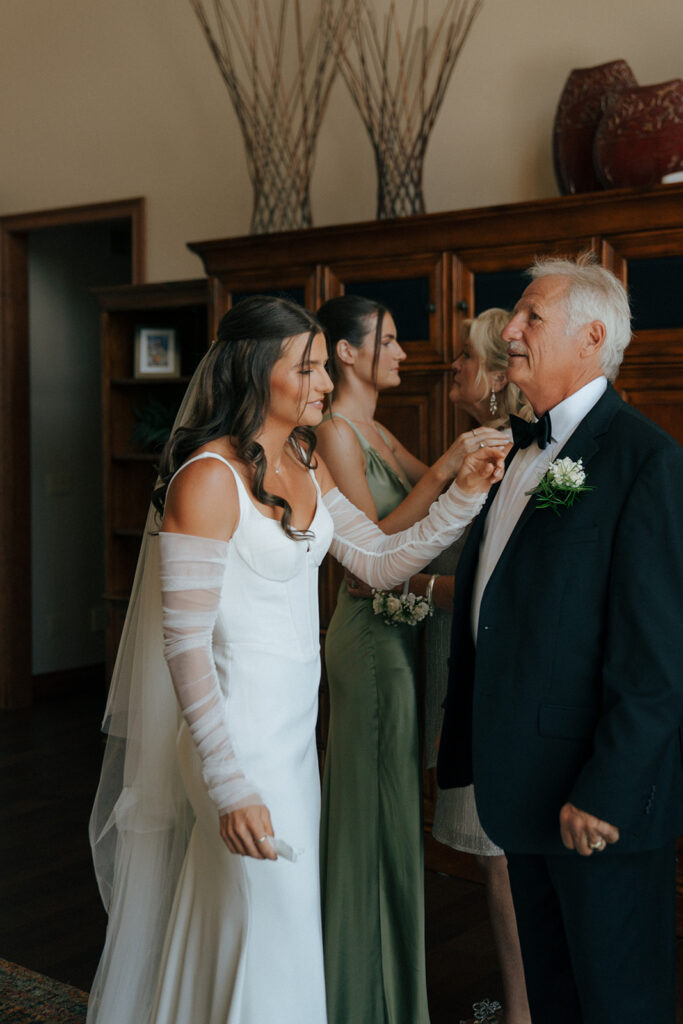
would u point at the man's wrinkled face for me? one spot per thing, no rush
(544, 356)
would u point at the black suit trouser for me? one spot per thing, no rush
(597, 935)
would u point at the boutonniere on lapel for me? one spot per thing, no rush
(561, 484)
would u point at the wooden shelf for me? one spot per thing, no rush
(129, 475)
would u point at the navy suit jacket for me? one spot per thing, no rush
(575, 690)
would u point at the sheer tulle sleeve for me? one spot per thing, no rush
(192, 573)
(385, 560)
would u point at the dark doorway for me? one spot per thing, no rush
(48, 263)
(67, 515)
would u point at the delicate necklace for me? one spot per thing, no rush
(280, 461)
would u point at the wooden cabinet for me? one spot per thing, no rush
(436, 269)
(129, 464)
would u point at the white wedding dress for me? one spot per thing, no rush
(243, 940)
(234, 916)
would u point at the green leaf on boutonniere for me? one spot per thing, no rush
(560, 486)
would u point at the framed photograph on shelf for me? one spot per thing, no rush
(156, 352)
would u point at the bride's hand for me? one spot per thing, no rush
(247, 830)
(470, 441)
(482, 468)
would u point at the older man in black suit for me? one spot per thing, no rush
(565, 699)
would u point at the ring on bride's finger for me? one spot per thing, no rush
(262, 839)
(599, 844)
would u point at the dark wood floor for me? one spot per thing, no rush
(51, 918)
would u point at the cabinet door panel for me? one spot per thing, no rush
(656, 292)
(295, 293)
(650, 264)
(297, 283)
(415, 412)
(484, 278)
(412, 289)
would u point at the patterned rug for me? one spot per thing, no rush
(30, 998)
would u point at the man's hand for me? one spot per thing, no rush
(584, 833)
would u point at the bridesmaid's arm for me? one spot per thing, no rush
(413, 467)
(339, 447)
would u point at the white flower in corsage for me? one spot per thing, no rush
(559, 487)
(400, 609)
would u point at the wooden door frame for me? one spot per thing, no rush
(15, 445)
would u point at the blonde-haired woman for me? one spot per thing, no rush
(480, 387)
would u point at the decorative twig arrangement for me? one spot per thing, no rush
(398, 79)
(279, 93)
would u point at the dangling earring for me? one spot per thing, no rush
(493, 403)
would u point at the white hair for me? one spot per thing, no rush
(593, 293)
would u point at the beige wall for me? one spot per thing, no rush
(108, 99)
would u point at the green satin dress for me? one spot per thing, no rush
(371, 856)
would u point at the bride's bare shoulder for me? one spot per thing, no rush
(203, 499)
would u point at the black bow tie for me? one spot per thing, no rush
(525, 433)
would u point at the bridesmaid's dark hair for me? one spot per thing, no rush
(233, 395)
(348, 316)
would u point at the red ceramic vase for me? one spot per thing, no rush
(578, 114)
(640, 135)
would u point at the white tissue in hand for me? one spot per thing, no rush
(283, 849)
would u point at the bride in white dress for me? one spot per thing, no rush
(205, 826)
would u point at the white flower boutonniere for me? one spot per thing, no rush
(560, 485)
(400, 609)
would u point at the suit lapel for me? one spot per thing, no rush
(474, 538)
(583, 444)
(467, 563)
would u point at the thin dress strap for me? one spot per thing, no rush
(205, 455)
(364, 443)
(399, 473)
(241, 489)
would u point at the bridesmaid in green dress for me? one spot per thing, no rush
(371, 828)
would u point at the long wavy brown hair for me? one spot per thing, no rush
(233, 396)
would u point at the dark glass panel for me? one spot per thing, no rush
(293, 294)
(406, 298)
(501, 288)
(655, 289)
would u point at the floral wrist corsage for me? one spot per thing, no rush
(560, 485)
(400, 609)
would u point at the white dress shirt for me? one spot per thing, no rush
(523, 474)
